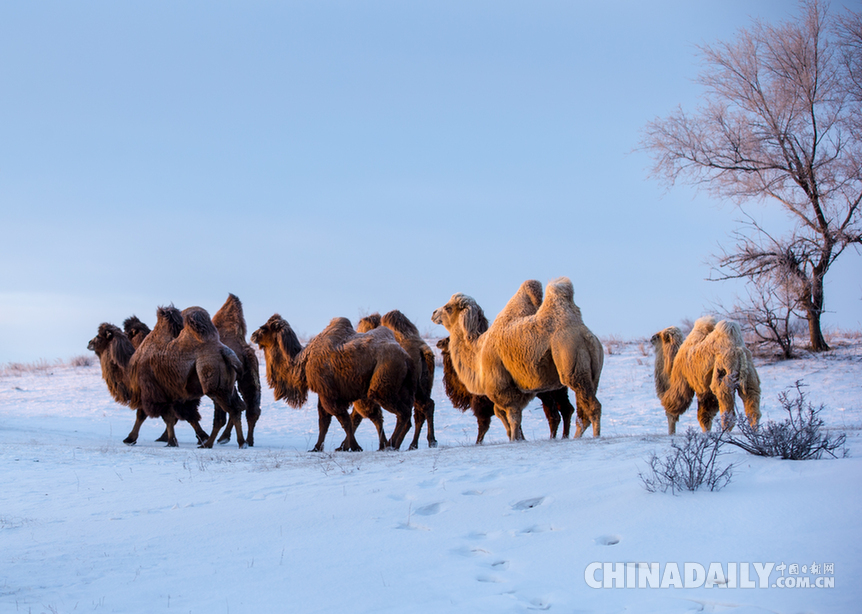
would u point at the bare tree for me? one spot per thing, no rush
(781, 123)
(769, 315)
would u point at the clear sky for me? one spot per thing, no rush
(323, 159)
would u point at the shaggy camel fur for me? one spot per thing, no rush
(712, 363)
(521, 355)
(342, 367)
(230, 323)
(555, 403)
(180, 361)
(135, 330)
(423, 360)
(115, 350)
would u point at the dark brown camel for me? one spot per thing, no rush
(180, 361)
(422, 356)
(230, 323)
(342, 367)
(115, 350)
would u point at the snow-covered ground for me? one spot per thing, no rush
(89, 524)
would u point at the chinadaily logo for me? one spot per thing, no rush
(712, 575)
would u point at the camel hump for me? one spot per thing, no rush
(532, 289)
(704, 325)
(171, 318)
(340, 324)
(560, 290)
(230, 316)
(198, 321)
(400, 323)
(732, 330)
(369, 322)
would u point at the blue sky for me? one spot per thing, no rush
(323, 159)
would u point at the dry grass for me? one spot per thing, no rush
(45, 367)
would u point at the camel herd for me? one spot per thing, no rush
(537, 346)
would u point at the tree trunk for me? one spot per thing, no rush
(813, 301)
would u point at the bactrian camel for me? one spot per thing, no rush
(712, 363)
(115, 350)
(522, 355)
(342, 366)
(180, 361)
(423, 360)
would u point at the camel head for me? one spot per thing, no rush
(666, 344)
(443, 344)
(102, 341)
(277, 333)
(135, 330)
(111, 345)
(464, 311)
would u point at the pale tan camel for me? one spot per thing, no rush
(712, 363)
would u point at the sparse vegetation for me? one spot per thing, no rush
(689, 465)
(799, 437)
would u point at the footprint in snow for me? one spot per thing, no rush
(492, 579)
(528, 504)
(607, 540)
(430, 510)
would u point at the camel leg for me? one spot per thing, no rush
(514, 415)
(236, 407)
(419, 419)
(671, 423)
(428, 410)
(225, 436)
(501, 414)
(402, 413)
(341, 414)
(219, 420)
(566, 410)
(707, 408)
(170, 419)
(249, 388)
(751, 401)
(366, 409)
(484, 423)
(323, 421)
(584, 419)
(552, 414)
(163, 437)
(483, 409)
(132, 439)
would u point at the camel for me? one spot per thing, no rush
(521, 355)
(712, 363)
(114, 350)
(423, 360)
(181, 360)
(342, 366)
(555, 403)
(230, 323)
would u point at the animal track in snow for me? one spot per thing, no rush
(430, 510)
(528, 504)
(607, 540)
(493, 579)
